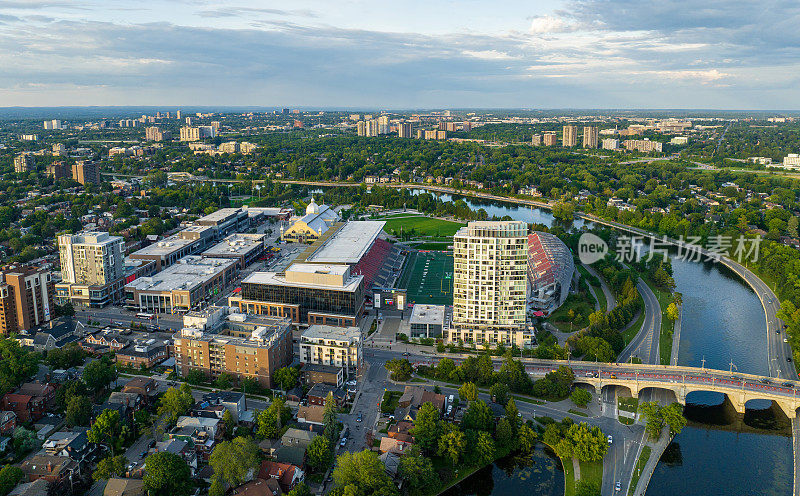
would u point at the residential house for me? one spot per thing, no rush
(146, 387)
(55, 334)
(39, 390)
(74, 445)
(310, 414)
(288, 476)
(35, 488)
(233, 401)
(143, 353)
(258, 487)
(8, 422)
(117, 486)
(51, 468)
(26, 407)
(394, 445)
(319, 392)
(414, 397)
(180, 448)
(314, 373)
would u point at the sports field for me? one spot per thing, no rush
(428, 278)
(415, 226)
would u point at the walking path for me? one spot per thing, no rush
(676, 339)
(611, 301)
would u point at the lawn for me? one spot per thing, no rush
(592, 471)
(419, 226)
(581, 305)
(627, 405)
(634, 329)
(598, 290)
(640, 464)
(390, 401)
(428, 278)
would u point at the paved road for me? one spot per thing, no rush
(645, 344)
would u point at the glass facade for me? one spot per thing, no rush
(309, 299)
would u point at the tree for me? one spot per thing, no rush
(112, 466)
(478, 417)
(25, 440)
(580, 397)
(654, 421)
(233, 461)
(176, 402)
(329, 421)
(99, 374)
(229, 422)
(320, 453)
(362, 473)
(418, 473)
(106, 429)
(589, 443)
(587, 488)
(166, 474)
(673, 417)
(286, 377)
(468, 392)
(527, 439)
(10, 476)
(503, 434)
(225, 381)
(484, 450)
(673, 314)
(445, 369)
(427, 428)
(78, 411)
(300, 490)
(63, 358)
(452, 445)
(513, 416)
(499, 393)
(16, 364)
(271, 421)
(401, 370)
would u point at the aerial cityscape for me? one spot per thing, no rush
(432, 249)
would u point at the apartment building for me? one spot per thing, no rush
(155, 133)
(550, 139)
(643, 145)
(23, 162)
(333, 346)
(404, 130)
(189, 133)
(489, 283)
(26, 298)
(570, 136)
(247, 346)
(590, 137)
(92, 268)
(86, 171)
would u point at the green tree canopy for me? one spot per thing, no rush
(166, 474)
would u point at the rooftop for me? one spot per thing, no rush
(318, 331)
(219, 216)
(236, 244)
(188, 273)
(275, 279)
(164, 247)
(427, 314)
(250, 331)
(349, 244)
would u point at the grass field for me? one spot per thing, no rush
(418, 226)
(428, 278)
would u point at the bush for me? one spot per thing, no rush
(581, 397)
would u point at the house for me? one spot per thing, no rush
(314, 373)
(74, 445)
(35, 488)
(319, 392)
(415, 396)
(49, 467)
(180, 448)
(297, 437)
(8, 422)
(108, 339)
(26, 407)
(55, 334)
(391, 463)
(41, 390)
(287, 475)
(269, 446)
(310, 414)
(293, 455)
(295, 394)
(233, 401)
(142, 354)
(258, 487)
(131, 401)
(144, 386)
(117, 486)
(212, 426)
(5, 443)
(394, 445)
(402, 428)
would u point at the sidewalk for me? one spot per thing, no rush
(656, 450)
(676, 339)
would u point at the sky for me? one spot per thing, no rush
(371, 54)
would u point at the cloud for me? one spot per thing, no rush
(251, 11)
(548, 24)
(487, 54)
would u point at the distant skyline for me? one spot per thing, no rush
(716, 54)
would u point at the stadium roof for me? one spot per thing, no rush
(349, 244)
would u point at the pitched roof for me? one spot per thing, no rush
(258, 487)
(311, 413)
(124, 487)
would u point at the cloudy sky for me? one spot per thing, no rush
(727, 54)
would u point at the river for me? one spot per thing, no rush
(723, 322)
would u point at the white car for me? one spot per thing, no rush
(610, 439)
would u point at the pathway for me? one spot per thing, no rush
(676, 339)
(611, 301)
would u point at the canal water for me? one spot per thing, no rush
(719, 452)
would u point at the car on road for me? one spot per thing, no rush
(143, 454)
(788, 384)
(610, 439)
(360, 417)
(343, 442)
(785, 340)
(618, 486)
(766, 381)
(405, 354)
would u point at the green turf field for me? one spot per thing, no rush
(420, 226)
(428, 278)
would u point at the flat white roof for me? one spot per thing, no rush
(350, 243)
(318, 268)
(427, 314)
(274, 279)
(236, 244)
(188, 273)
(220, 215)
(165, 246)
(319, 331)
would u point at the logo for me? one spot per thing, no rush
(591, 248)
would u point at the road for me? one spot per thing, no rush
(611, 300)
(645, 344)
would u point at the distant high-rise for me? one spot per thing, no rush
(590, 137)
(372, 127)
(285, 111)
(610, 144)
(58, 170)
(59, 149)
(23, 162)
(383, 124)
(490, 265)
(404, 130)
(536, 140)
(550, 139)
(178, 114)
(155, 133)
(190, 133)
(570, 137)
(52, 124)
(86, 171)
(361, 128)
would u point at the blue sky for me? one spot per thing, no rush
(735, 54)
